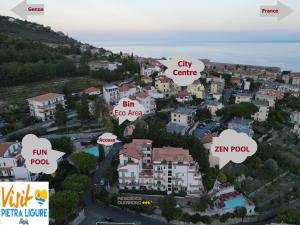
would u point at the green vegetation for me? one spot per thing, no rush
(243, 109)
(77, 183)
(60, 115)
(167, 205)
(62, 204)
(203, 114)
(62, 144)
(289, 215)
(204, 203)
(85, 162)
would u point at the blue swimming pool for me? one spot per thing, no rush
(235, 202)
(93, 151)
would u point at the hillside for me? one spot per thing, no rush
(33, 31)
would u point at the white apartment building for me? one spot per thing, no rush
(166, 169)
(264, 97)
(128, 90)
(243, 97)
(183, 116)
(43, 107)
(263, 110)
(147, 101)
(12, 164)
(111, 94)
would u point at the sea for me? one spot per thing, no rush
(285, 55)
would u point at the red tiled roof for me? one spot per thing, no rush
(90, 90)
(171, 154)
(130, 150)
(182, 94)
(142, 95)
(4, 146)
(45, 97)
(208, 138)
(164, 79)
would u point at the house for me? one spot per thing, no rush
(263, 110)
(183, 96)
(12, 166)
(291, 78)
(196, 89)
(96, 65)
(111, 94)
(128, 90)
(235, 81)
(154, 93)
(91, 91)
(146, 80)
(168, 169)
(271, 92)
(43, 107)
(182, 120)
(241, 125)
(207, 142)
(214, 106)
(147, 101)
(243, 97)
(271, 99)
(163, 84)
(247, 85)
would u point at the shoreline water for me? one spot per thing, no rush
(285, 55)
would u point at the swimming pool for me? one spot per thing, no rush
(235, 202)
(93, 151)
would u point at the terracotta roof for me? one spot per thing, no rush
(171, 154)
(141, 141)
(90, 90)
(196, 82)
(126, 87)
(130, 150)
(182, 94)
(146, 78)
(142, 95)
(4, 146)
(164, 79)
(45, 97)
(208, 138)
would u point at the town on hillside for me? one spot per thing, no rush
(162, 169)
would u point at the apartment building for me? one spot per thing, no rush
(128, 90)
(197, 89)
(43, 107)
(271, 99)
(217, 87)
(166, 169)
(183, 96)
(12, 164)
(147, 101)
(241, 125)
(182, 120)
(243, 97)
(111, 94)
(163, 84)
(263, 110)
(214, 106)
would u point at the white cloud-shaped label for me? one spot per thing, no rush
(183, 70)
(232, 146)
(128, 109)
(107, 139)
(39, 155)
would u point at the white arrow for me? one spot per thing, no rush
(23, 9)
(280, 11)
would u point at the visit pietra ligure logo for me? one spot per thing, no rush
(24, 203)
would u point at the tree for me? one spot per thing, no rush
(222, 177)
(205, 202)
(271, 168)
(62, 204)
(60, 115)
(84, 162)
(77, 183)
(167, 205)
(203, 114)
(240, 212)
(243, 109)
(111, 174)
(101, 153)
(288, 215)
(62, 144)
(83, 108)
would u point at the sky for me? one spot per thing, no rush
(164, 20)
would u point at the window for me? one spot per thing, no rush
(132, 174)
